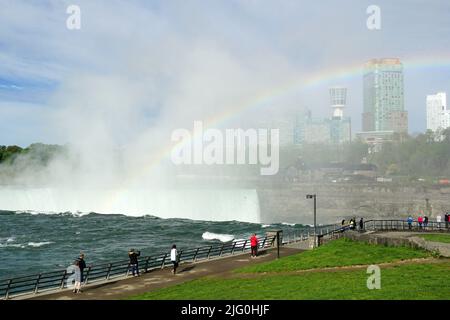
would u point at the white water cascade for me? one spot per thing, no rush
(196, 204)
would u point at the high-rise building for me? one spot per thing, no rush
(438, 116)
(384, 108)
(335, 130)
(338, 99)
(340, 127)
(311, 130)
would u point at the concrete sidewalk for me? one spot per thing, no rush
(157, 279)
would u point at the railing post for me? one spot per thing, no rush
(37, 283)
(264, 243)
(179, 255)
(209, 251)
(7, 289)
(232, 249)
(163, 261)
(109, 271)
(62, 280)
(245, 243)
(221, 250)
(195, 256)
(146, 264)
(86, 279)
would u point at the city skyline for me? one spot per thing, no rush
(165, 62)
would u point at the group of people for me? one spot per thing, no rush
(422, 221)
(352, 223)
(80, 264)
(134, 261)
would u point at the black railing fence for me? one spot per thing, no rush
(61, 279)
(303, 235)
(403, 225)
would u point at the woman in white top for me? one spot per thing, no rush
(77, 278)
(174, 258)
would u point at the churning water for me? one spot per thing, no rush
(33, 242)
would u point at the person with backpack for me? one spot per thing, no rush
(174, 258)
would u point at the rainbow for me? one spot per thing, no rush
(317, 79)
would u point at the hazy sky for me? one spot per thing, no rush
(136, 63)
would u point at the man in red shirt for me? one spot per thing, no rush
(253, 245)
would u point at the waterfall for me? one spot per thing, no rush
(197, 204)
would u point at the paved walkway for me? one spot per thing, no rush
(123, 288)
(415, 237)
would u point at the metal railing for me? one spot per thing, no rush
(336, 231)
(59, 279)
(303, 235)
(403, 225)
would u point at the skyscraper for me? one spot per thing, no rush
(384, 108)
(438, 117)
(338, 98)
(335, 130)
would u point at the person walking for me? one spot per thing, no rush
(77, 278)
(361, 224)
(174, 258)
(134, 263)
(82, 266)
(420, 221)
(253, 245)
(446, 218)
(425, 222)
(410, 221)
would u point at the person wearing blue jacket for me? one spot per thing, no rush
(410, 221)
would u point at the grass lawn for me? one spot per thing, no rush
(436, 237)
(413, 281)
(426, 280)
(342, 252)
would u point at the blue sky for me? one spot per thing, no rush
(168, 61)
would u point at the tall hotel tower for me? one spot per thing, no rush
(384, 108)
(438, 116)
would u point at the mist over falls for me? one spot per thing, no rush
(197, 204)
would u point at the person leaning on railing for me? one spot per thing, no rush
(133, 255)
